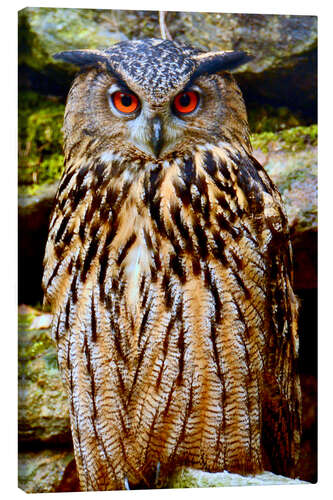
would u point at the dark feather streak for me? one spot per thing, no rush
(125, 249)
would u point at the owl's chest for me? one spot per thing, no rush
(175, 233)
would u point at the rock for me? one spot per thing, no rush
(186, 477)
(283, 71)
(25, 310)
(43, 414)
(44, 321)
(46, 471)
(40, 163)
(46, 31)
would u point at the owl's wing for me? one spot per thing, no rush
(282, 398)
(281, 390)
(87, 340)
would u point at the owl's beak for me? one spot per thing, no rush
(156, 138)
(148, 133)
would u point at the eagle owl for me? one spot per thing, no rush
(168, 271)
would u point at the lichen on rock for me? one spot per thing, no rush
(46, 471)
(186, 477)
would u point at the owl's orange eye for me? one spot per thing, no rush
(125, 102)
(186, 102)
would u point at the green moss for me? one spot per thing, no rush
(51, 360)
(39, 343)
(293, 139)
(32, 343)
(40, 139)
(271, 119)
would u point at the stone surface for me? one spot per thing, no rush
(43, 415)
(45, 31)
(47, 471)
(274, 40)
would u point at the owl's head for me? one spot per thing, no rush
(154, 98)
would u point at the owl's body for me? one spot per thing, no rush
(168, 272)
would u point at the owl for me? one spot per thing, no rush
(168, 272)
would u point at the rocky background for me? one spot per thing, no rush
(280, 89)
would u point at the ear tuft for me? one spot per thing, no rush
(213, 62)
(81, 58)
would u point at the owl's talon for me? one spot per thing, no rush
(127, 486)
(157, 474)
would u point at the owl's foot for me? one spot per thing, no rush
(127, 486)
(157, 473)
(145, 483)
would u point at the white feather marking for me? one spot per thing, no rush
(110, 156)
(107, 156)
(137, 262)
(133, 272)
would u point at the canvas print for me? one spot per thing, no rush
(167, 250)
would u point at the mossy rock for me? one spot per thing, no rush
(40, 139)
(43, 414)
(45, 31)
(293, 139)
(47, 471)
(186, 477)
(50, 470)
(268, 118)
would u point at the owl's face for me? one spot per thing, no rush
(158, 129)
(153, 98)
